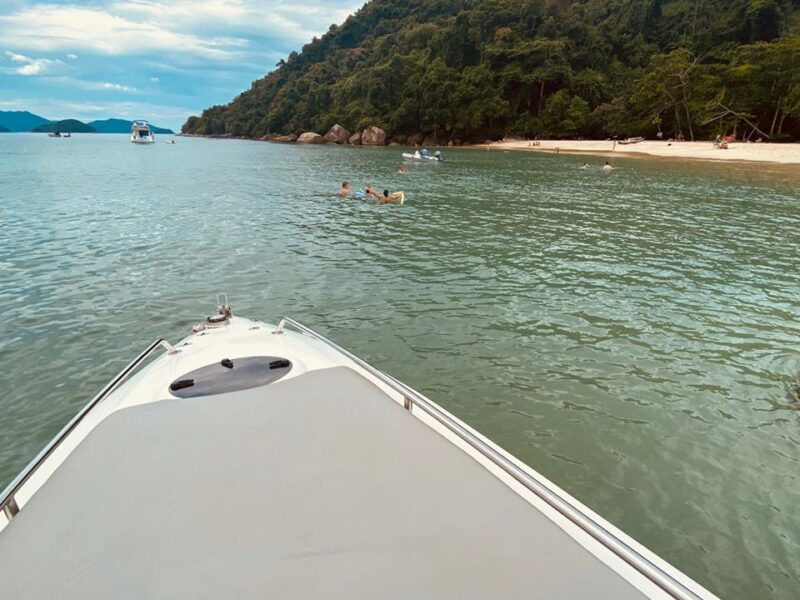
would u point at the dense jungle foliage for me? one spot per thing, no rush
(468, 70)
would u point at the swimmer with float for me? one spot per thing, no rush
(386, 197)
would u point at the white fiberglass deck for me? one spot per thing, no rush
(317, 486)
(330, 479)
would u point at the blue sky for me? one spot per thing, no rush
(159, 60)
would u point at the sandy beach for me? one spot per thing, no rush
(786, 154)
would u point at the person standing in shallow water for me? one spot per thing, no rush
(345, 191)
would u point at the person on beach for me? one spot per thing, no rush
(607, 167)
(345, 191)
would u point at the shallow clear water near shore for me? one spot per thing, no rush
(630, 335)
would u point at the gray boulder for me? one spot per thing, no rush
(373, 136)
(309, 137)
(337, 135)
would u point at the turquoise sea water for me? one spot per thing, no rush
(630, 335)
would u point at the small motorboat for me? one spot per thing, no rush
(55, 134)
(68, 134)
(141, 133)
(633, 140)
(423, 155)
(170, 142)
(253, 460)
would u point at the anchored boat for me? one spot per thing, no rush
(254, 460)
(631, 141)
(424, 156)
(141, 133)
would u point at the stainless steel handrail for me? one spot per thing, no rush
(597, 531)
(7, 502)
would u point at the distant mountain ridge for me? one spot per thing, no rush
(121, 126)
(19, 121)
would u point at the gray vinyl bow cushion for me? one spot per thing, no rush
(318, 486)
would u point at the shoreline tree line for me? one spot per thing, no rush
(471, 70)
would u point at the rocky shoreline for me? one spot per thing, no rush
(369, 136)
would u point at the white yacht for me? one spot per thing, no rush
(252, 460)
(141, 133)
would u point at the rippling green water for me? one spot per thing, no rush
(630, 335)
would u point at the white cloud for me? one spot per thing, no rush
(219, 30)
(117, 87)
(207, 50)
(31, 66)
(62, 82)
(47, 27)
(240, 16)
(228, 10)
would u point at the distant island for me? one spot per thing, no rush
(122, 126)
(65, 126)
(22, 121)
(437, 71)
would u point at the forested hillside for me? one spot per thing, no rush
(475, 69)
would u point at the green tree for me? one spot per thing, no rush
(471, 69)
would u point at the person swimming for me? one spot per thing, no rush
(585, 166)
(402, 170)
(345, 191)
(607, 167)
(385, 197)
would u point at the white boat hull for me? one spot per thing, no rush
(336, 477)
(408, 156)
(141, 133)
